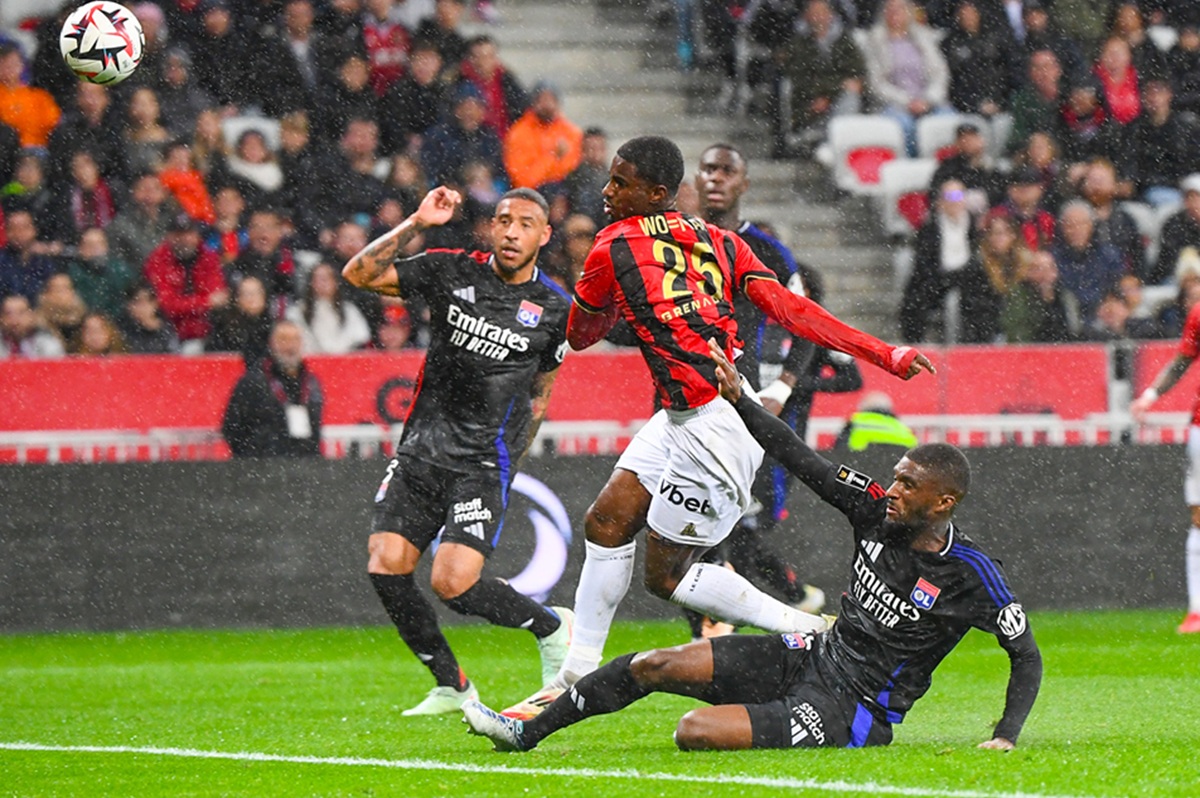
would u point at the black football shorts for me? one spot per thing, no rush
(417, 499)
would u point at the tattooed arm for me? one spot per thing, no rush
(373, 268)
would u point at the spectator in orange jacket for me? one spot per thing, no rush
(181, 177)
(30, 111)
(543, 146)
(187, 278)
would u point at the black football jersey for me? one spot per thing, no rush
(904, 610)
(769, 349)
(489, 339)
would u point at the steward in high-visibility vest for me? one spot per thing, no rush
(868, 428)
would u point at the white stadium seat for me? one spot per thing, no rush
(898, 178)
(860, 144)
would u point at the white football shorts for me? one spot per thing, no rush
(698, 466)
(1191, 482)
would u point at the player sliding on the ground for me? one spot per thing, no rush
(499, 329)
(916, 587)
(687, 474)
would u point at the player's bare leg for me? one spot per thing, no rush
(674, 573)
(392, 561)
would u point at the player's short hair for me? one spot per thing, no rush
(657, 159)
(527, 194)
(946, 463)
(725, 145)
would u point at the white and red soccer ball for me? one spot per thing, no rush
(102, 42)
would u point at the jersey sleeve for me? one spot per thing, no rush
(421, 274)
(595, 287)
(556, 350)
(746, 265)
(1189, 342)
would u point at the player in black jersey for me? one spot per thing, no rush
(917, 587)
(498, 338)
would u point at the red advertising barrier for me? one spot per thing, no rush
(1151, 358)
(139, 393)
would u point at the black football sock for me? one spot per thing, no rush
(497, 602)
(602, 691)
(418, 627)
(752, 558)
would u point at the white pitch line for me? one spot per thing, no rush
(585, 773)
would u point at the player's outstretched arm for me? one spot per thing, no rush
(1164, 382)
(586, 327)
(373, 267)
(775, 436)
(805, 318)
(1024, 682)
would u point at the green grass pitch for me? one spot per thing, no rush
(1119, 715)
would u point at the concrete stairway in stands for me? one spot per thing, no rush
(616, 70)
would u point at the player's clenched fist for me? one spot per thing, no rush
(437, 208)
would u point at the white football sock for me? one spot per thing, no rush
(720, 593)
(603, 582)
(1193, 569)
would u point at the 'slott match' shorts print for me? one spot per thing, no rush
(417, 499)
(1191, 482)
(698, 466)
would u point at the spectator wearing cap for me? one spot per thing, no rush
(1035, 106)
(275, 409)
(1087, 268)
(1160, 147)
(415, 102)
(826, 71)
(584, 185)
(30, 111)
(983, 64)
(543, 146)
(906, 71)
(179, 96)
(188, 280)
(969, 164)
(460, 139)
(395, 333)
(503, 97)
(139, 227)
(1180, 231)
(1024, 206)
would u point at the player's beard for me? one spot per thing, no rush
(906, 530)
(507, 272)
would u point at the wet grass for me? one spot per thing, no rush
(1119, 715)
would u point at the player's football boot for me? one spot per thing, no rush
(505, 733)
(711, 627)
(442, 700)
(531, 707)
(1190, 625)
(553, 647)
(813, 601)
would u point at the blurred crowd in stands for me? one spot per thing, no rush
(1068, 206)
(260, 144)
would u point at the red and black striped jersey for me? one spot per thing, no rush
(673, 276)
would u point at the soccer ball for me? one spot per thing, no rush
(102, 42)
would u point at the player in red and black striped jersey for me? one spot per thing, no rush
(687, 474)
(498, 338)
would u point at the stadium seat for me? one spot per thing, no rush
(936, 131)
(1163, 36)
(235, 126)
(904, 200)
(1002, 125)
(860, 145)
